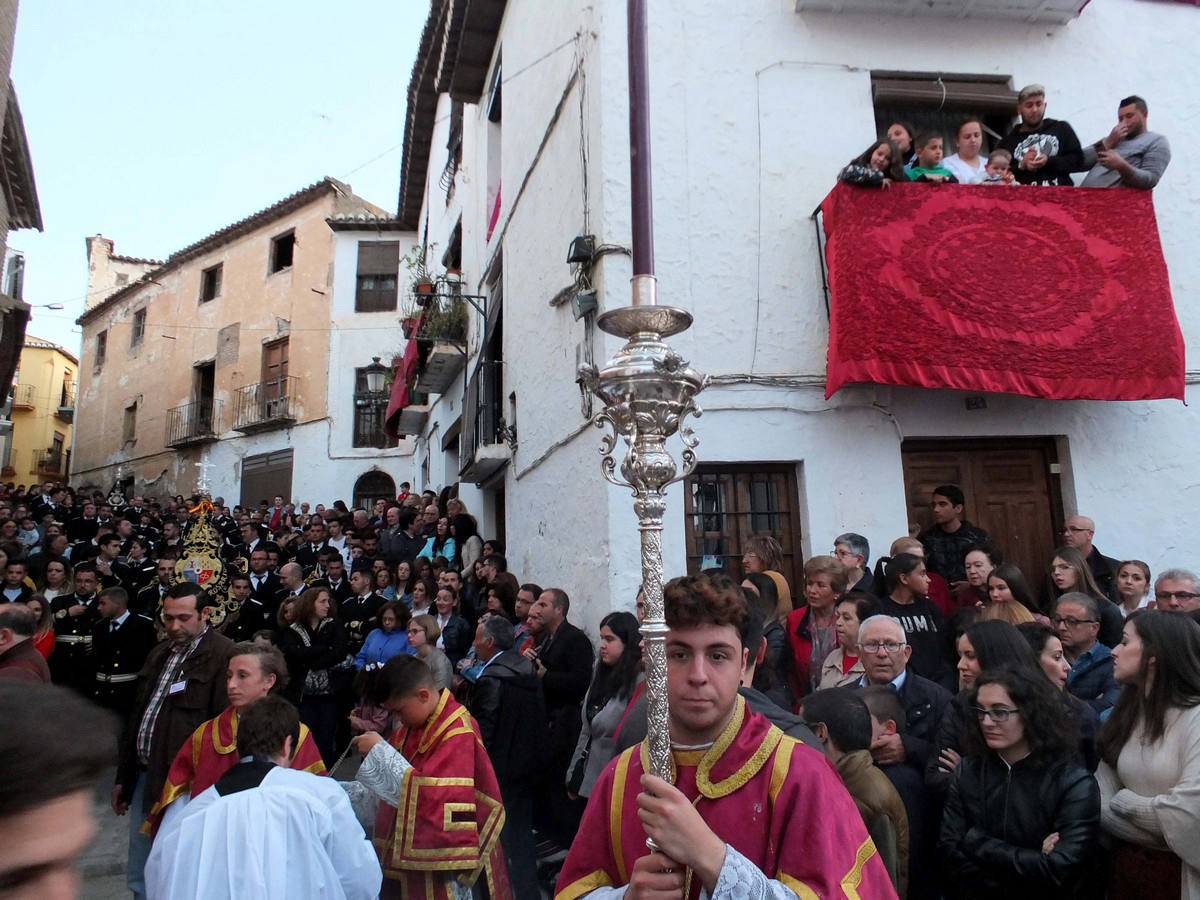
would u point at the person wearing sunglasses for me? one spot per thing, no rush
(1077, 621)
(1022, 815)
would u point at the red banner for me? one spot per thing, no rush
(1050, 292)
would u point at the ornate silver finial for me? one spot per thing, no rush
(648, 391)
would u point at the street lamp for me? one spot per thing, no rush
(375, 374)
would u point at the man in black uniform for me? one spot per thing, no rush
(333, 569)
(358, 612)
(74, 616)
(149, 599)
(121, 640)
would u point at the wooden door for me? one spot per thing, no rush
(275, 369)
(1010, 486)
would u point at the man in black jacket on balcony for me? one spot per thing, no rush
(1044, 151)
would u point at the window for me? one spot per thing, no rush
(129, 425)
(210, 282)
(101, 348)
(726, 505)
(282, 250)
(378, 265)
(121, 278)
(933, 102)
(454, 149)
(138, 332)
(369, 411)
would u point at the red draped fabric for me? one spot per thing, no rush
(405, 372)
(1050, 292)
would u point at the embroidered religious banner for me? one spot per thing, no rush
(1052, 292)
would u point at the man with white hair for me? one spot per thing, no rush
(884, 651)
(1177, 590)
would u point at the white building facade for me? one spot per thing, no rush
(754, 109)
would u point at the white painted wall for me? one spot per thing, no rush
(754, 110)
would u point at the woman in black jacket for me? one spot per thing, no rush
(314, 645)
(1022, 815)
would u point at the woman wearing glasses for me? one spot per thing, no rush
(1150, 759)
(1022, 815)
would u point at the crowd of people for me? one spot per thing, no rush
(987, 730)
(1037, 151)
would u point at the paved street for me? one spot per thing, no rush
(103, 866)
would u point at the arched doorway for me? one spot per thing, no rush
(372, 486)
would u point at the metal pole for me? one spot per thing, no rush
(639, 145)
(648, 390)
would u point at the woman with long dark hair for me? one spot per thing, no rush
(1069, 572)
(907, 601)
(1043, 640)
(1010, 598)
(982, 646)
(771, 675)
(1150, 759)
(314, 645)
(614, 710)
(468, 544)
(877, 166)
(1022, 815)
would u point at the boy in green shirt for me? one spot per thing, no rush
(928, 166)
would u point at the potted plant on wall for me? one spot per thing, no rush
(424, 282)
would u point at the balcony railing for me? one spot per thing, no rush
(23, 396)
(66, 402)
(485, 435)
(266, 404)
(193, 423)
(49, 462)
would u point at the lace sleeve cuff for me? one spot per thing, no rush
(382, 772)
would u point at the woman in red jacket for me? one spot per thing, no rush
(810, 632)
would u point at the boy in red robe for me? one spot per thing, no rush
(253, 672)
(437, 829)
(751, 810)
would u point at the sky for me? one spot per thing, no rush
(156, 122)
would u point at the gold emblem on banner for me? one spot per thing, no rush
(201, 564)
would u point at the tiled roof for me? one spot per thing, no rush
(454, 55)
(43, 344)
(277, 210)
(137, 259)
(365, 222)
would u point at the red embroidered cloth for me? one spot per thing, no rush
(405, 372)
(1050, 292)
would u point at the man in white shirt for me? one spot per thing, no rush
(265, 830)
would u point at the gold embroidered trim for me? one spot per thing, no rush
(854, 877)
(449, 823)
(739, 778)
(615, 810)
(224, 749)
(783, 759)
(803, 891)
(587, 883)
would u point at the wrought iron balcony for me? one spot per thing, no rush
(486, 439)
(266, 404)
(49, 462)
(23, 396)
(193, 423)
(66, 403)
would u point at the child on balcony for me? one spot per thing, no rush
(999, 169)
(929, 167)
(877, 166)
